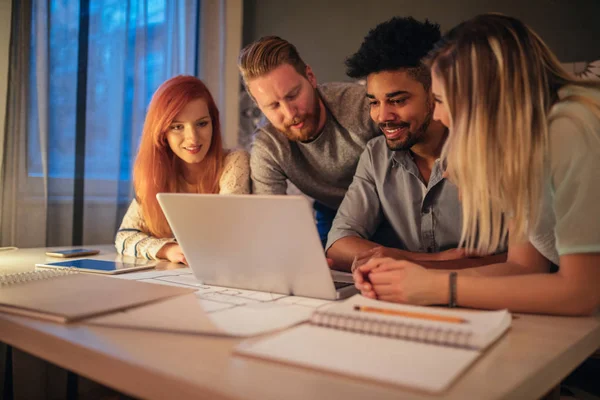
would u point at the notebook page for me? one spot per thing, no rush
(480, 329)
(422, 366)
(189, 314)
(241, 312)
(257, 318)
(180, 314)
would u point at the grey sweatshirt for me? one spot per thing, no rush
(323, 168)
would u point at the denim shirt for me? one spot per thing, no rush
(388, 188)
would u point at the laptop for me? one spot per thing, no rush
(266, 243)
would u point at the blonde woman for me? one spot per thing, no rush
(524, 143)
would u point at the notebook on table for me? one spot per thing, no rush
(67, 295)
(419, 347)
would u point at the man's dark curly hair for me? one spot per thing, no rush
(399, 43)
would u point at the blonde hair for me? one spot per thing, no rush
(499, 82)
(266, 54)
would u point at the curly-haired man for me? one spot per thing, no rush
(399, 179)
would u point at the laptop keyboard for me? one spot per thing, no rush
(217, 298)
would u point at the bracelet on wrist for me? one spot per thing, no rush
(452, 290)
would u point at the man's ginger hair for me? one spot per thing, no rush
(267, 53)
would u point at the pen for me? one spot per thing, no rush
(411, 314)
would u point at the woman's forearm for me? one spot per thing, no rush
(472, 265)
(535, 293)
(499, 269)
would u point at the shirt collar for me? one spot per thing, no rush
(405, 159)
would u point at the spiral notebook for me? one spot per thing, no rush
(419, 347)
(67, 295)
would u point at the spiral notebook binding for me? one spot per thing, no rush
(31, 276)
(393, 329)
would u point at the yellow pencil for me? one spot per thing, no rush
(411, 314)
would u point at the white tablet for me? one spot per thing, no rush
(101, 266)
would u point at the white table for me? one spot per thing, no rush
(535, 355)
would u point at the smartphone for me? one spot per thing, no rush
(72, 253)
(101, 266)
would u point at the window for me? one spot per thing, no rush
(130, 46)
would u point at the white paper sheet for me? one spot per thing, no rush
(213, 309)
(257, 318)
(180, 314)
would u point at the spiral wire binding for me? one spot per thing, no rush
(393, 329)
(31, 276)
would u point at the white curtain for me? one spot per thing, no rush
(220, 44)
(15, 135)
(132, 47)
